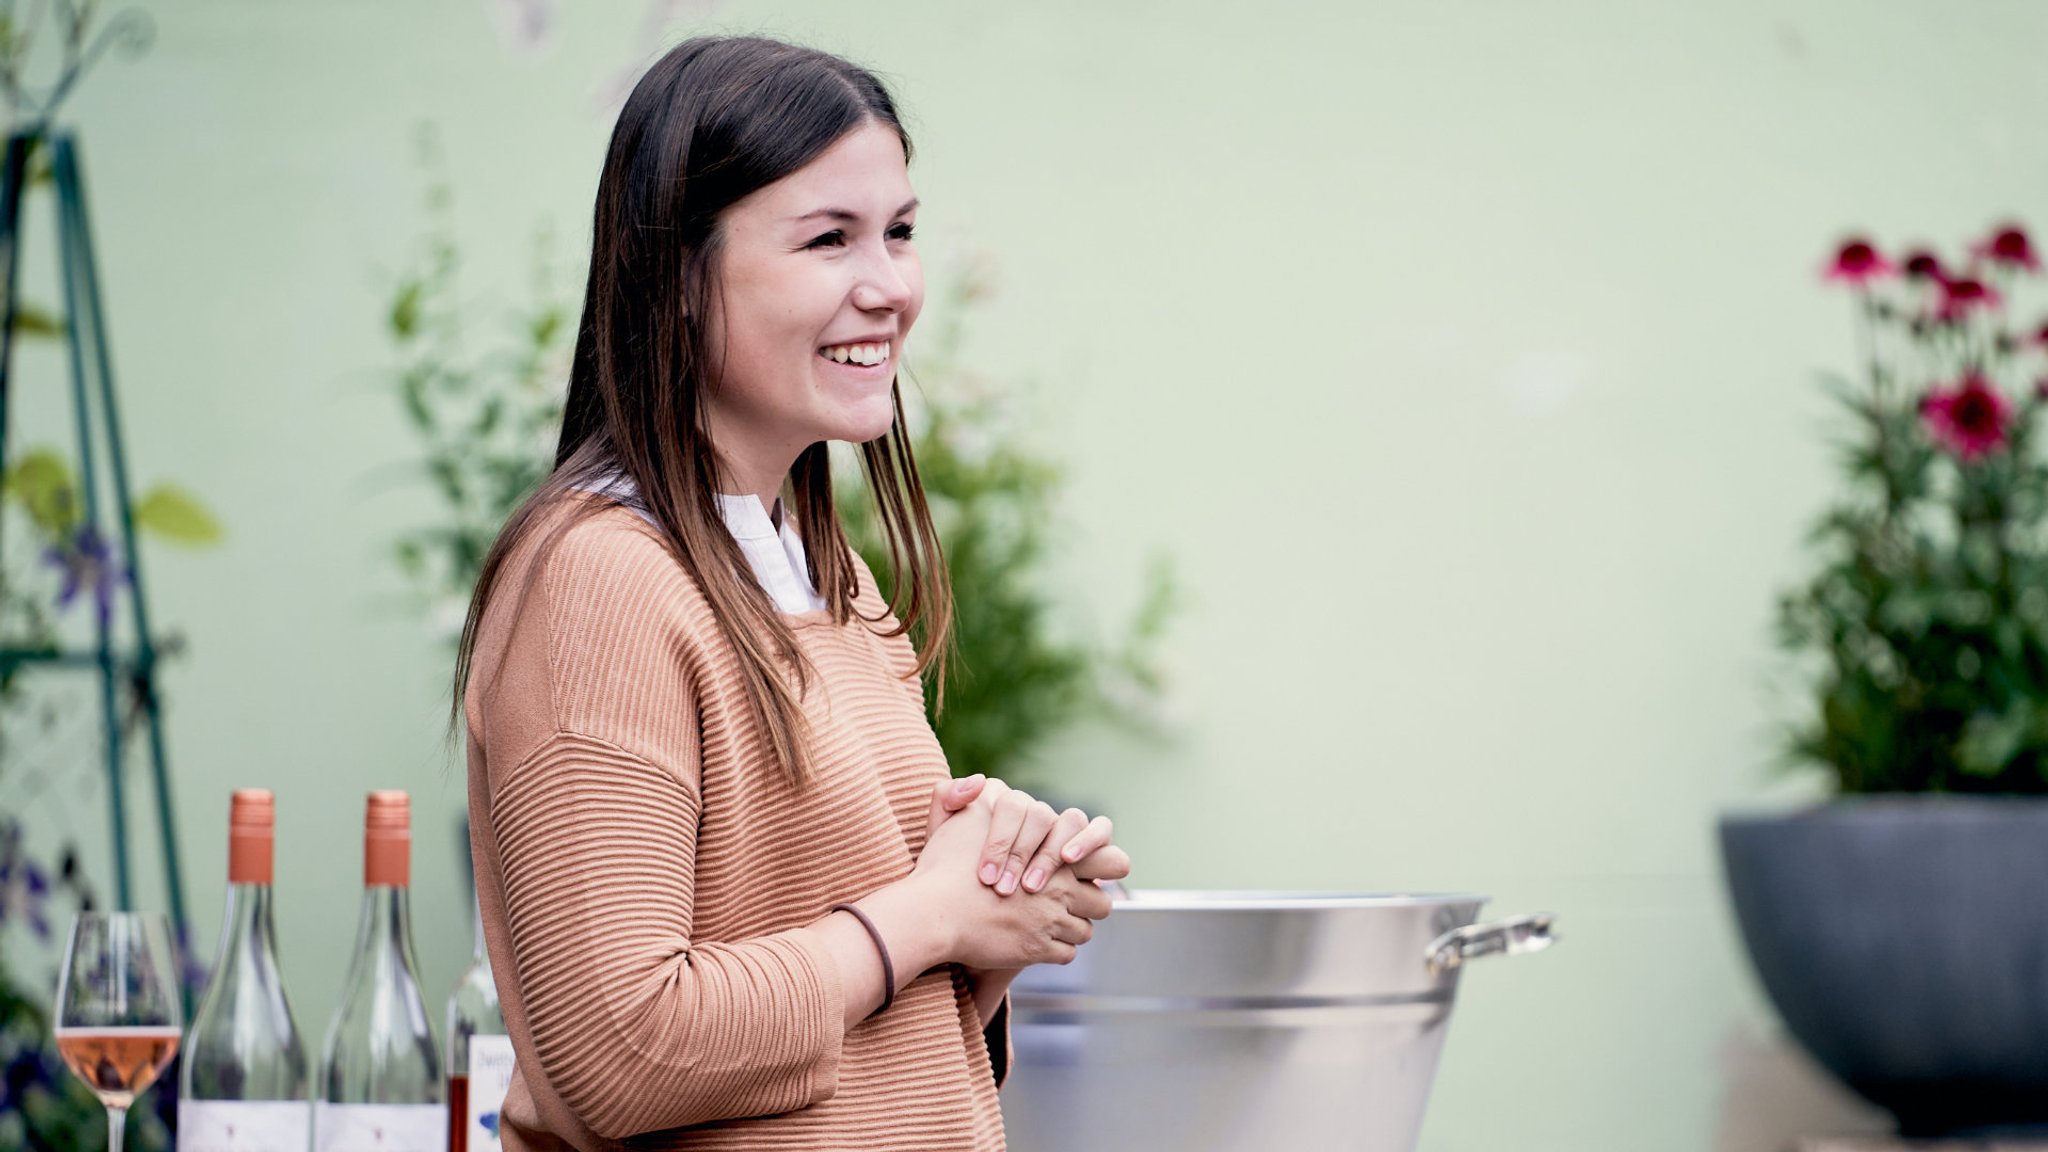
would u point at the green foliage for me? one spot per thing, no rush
(31, 320)
(41, 484)
(43, 1107)
(172, 513)
(1926, 625)
(485, 425)
(1014, 679)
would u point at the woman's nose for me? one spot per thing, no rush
(882, 288)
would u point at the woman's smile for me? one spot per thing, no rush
(871, 354)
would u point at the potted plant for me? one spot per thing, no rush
(1901, 928)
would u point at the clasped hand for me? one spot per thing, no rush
(1035, 869)
(1028, 841)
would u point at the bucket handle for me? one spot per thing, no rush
(1510, 937)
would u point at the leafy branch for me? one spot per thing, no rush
(485, 425)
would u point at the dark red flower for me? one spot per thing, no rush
(2010, 247)
(2041, 388)
(1970, 419)
(2039, 336)
(1857, 262)
(1964, 295)
(1924, 265)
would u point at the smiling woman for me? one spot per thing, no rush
(732, 896)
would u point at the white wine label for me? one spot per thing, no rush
(490, 1077)
(243, 1125)
(379, 1127)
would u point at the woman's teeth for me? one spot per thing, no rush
(866, 355)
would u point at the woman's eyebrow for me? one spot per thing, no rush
(847, 215)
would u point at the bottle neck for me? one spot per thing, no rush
(386, 927)
(478, 952)
(247, 934)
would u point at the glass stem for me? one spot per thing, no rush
(117, 1127)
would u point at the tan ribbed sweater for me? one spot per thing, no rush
(642, 867)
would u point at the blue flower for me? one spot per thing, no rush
(86, 561)
(24, 885)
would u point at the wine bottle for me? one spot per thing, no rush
(479, 1053)
(242, 1083)
(380, 1076)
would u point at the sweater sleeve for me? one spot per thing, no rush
(996, 1035)
(636, 1025)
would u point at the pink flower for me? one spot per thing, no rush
(1857, 262)
(1924, 265)
(1965, 294)
(2009, 246)
(1970, 419)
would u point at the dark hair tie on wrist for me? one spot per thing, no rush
(888, 969)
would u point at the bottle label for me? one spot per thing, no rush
(242, 1125)
(490, 1077)
(379, 1127)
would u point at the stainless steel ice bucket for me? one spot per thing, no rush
(1246, 1020)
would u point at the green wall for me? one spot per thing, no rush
(1462, 355)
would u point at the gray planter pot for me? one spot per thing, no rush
(1904, 940)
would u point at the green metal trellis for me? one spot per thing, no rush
(127, 669)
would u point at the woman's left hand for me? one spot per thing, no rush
(1027, 840)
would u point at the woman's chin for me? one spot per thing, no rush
(868, 421)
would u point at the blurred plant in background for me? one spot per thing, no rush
(69, 568)
(42, 1105)
(70, 565)
(486, 424)
(1928, 621)
(486, 428)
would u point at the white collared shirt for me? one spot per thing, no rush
(774, 550)
(767, 539)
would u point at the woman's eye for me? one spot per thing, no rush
(902, 232)
(830, 239)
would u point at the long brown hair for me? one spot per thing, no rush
(714, 120)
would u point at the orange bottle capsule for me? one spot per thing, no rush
(387, 840)
(252, 836)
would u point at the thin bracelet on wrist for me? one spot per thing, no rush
(888, 969)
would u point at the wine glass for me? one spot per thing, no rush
(117, 1007)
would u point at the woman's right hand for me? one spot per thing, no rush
(990, 930)
(1022, 828)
